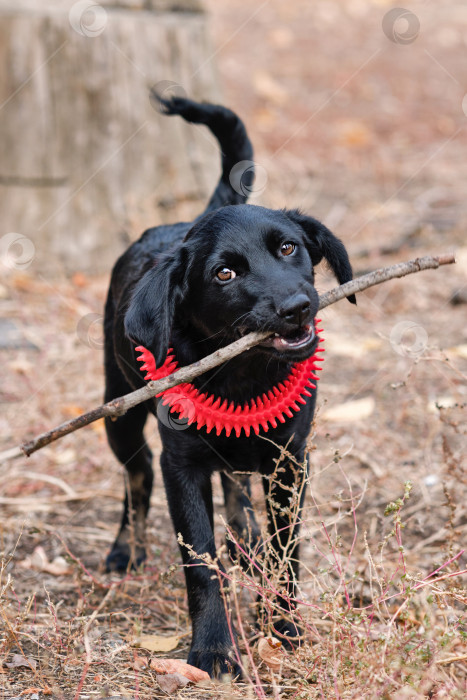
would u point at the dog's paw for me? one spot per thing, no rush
(121, 557)
(217, 664)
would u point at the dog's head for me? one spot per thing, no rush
(240, 269)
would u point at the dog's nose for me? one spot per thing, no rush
(296, 309)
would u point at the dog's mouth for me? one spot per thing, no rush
(299, 341)
(295, 340)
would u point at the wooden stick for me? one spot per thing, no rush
(428, 262)
(118, 407)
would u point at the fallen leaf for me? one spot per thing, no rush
(171, 682)
(72, 410)
(64, 456)
(59, 567)
(23, 282)
(350, 411)
(281, 37)
(269, 650)
(80, 280)
(158, 643)
(442, 402)
(98, 426)
(31, 691)
(354, 133)
(461, 259)
(371, 343)
(18, 660)
(20, 366)
(265, 117)
(163, 666)
(39, 562)
(459, 351)
(268, 88)
(36, 561)
(140, 663)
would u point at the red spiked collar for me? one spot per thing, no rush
(214, 412)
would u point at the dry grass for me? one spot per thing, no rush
(377, 623)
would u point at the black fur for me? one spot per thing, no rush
(165, 291)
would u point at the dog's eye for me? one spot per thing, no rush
(225, 274)
(287, 248)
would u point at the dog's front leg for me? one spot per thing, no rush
(285, 491)
(188, 488)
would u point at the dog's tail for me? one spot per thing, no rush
(236, 180)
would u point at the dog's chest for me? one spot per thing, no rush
(255, 453)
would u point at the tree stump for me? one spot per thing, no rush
(87, 161)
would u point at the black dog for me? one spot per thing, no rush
(195, 287)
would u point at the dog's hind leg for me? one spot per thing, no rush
(126, 438)
(240, 518)
(285, 493)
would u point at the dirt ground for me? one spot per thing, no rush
(360, 120)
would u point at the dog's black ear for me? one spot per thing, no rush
(321, 244)
(148, 320)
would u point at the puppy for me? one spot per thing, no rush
(195, 287)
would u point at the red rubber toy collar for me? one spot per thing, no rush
(214, 412)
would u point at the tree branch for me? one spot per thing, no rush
(428, 262)
(118, 407)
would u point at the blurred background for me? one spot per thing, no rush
(357, 111)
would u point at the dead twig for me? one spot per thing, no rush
(118, 407)
(451, 660)
(87, 644)
(428, 262)
(53, 500)
(48, 478)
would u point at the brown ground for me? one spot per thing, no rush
(368, 135)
